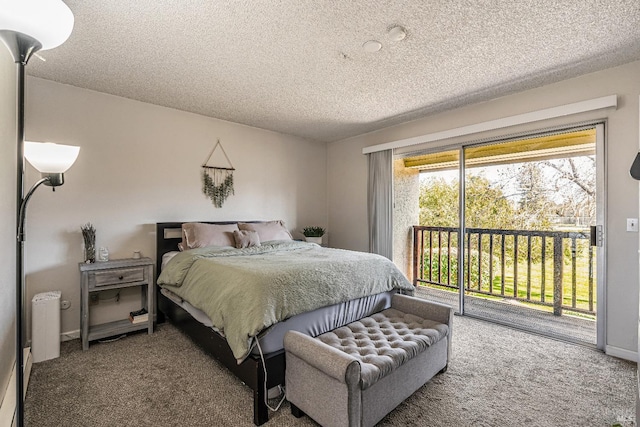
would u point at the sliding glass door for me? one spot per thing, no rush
(511, 231)
(530, 260)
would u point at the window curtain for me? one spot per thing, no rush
(380, 203)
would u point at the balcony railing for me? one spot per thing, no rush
(558, 266)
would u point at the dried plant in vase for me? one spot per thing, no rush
(89, 236)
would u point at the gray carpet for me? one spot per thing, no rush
(498, 377)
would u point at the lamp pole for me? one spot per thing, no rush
(27, 26)
(20, 333)
(21, 47)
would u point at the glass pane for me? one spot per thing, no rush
(528, 260)
(436, 235)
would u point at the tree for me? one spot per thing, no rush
(552, 191)
(534, 201)
(438, 202)
(486, 205)
(575, 179)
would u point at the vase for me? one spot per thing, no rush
(89, 254)
(317, 240)
(103, 254)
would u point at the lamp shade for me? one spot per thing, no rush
(48, 157)
(48, 21)
(635, 168)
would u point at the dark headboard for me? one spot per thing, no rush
(169, 234)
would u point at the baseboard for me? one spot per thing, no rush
(8, 406)
(70, 335)
(621, 353)
(28, 362)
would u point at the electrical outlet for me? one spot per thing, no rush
(632, 224)
(94, 299)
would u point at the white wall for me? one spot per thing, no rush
(347, 176)
(140, 164)
(7, 217)
(406, 214)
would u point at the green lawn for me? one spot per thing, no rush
(582, 279)
(582, 283)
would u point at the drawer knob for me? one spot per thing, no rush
(120, 277)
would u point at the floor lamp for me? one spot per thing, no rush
(27, 26)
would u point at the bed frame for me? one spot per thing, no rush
(252, 370)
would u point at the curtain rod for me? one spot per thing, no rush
(520, 119)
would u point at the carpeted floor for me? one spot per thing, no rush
(498, 377)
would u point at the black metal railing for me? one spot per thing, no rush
(559, 265)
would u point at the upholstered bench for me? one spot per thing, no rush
(356, 374)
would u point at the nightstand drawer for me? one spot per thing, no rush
(113, 277)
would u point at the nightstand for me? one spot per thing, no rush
(116, 274)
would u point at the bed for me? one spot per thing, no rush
(261, 367)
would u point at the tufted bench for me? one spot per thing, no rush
(356, 374)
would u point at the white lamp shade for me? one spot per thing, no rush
(48, 157)
(48, 21)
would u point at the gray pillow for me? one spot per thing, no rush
(270, 230)
(200, 235)
(246, 238)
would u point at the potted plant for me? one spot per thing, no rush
(313, 234)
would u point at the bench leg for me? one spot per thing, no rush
(443, 370)
(296, 412)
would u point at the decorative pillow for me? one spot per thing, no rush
(200, 235)
(246, 238)
(271, 230)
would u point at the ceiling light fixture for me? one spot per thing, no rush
(372, 46)
(397, 33)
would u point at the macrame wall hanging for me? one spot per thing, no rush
(217, 181)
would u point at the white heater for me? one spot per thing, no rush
(45, 326)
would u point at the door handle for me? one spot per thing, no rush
(596, 235)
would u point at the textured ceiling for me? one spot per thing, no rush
(298, 67)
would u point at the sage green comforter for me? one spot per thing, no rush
(244, 291)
